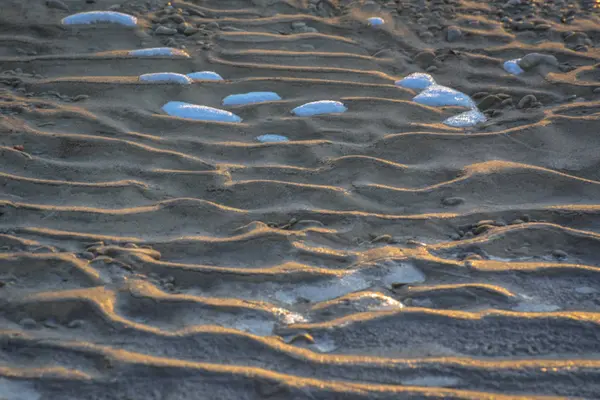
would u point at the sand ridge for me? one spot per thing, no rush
(369, 253)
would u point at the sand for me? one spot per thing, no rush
(370, 253)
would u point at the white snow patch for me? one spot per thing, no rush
(416, 81)
(158, 52)
(441, 96)
(512, 67)
(270, 138)
(166, 77)
(468, 118)
(319, 108)
(250, 98)
(93, 17)
(198, 112)
(375, 21)
(205, 76)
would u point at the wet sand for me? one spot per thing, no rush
(376, 254)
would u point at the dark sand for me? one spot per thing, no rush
(377, 255)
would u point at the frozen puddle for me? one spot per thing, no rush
(468, 118)
(319, 108)
(269, 138)
(512, 67)
(197, 112)
(166, 77)
(386, 272)
(416, 81)
(250, 98)
(205, 76)
(93, 17)
(158, 52)
(375, 21)
(17, 390)
(432, 381)
(442, 96)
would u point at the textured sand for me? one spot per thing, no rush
(377, 254)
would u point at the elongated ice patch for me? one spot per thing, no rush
(166, 77)
(201, 113)
(93, 17)
(319, 107)
(468, 118)
(158, 52)
(416, 81)
(512, 67)
(376, 21)
(250, 98)
(269, 138)
(205, 76)
(441, 96)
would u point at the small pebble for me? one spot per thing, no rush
(560, 254)
(28, 323)
(452, 201)
(57, 4)
(488, 101)
(532, 60)
(163, 30)
(527, 101)
(453, 33)
(76, 323)
(86, 255)
(51, 323)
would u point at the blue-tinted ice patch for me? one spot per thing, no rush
(416, 81)
(468, 118)
(93, 17)
(441, 96)
(197, 112)
(270, 138)
(512, 67)
(166, 77)
(319, 107)
(205, 76)
(250, 98)
(376, 21)
(159, 51)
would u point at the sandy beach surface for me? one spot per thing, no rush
(379, 251)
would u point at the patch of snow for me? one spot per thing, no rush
(250, 98)
(197, 112)
(441, 96)
(270, 138)
(166, 77)
(416, 81)
(319, 108)
(512, 67)
(159, 51)
(205, 76)
(93, 17)
(376, 21)
(468, 118)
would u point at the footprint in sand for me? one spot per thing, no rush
(93, 17)
(197, 112)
